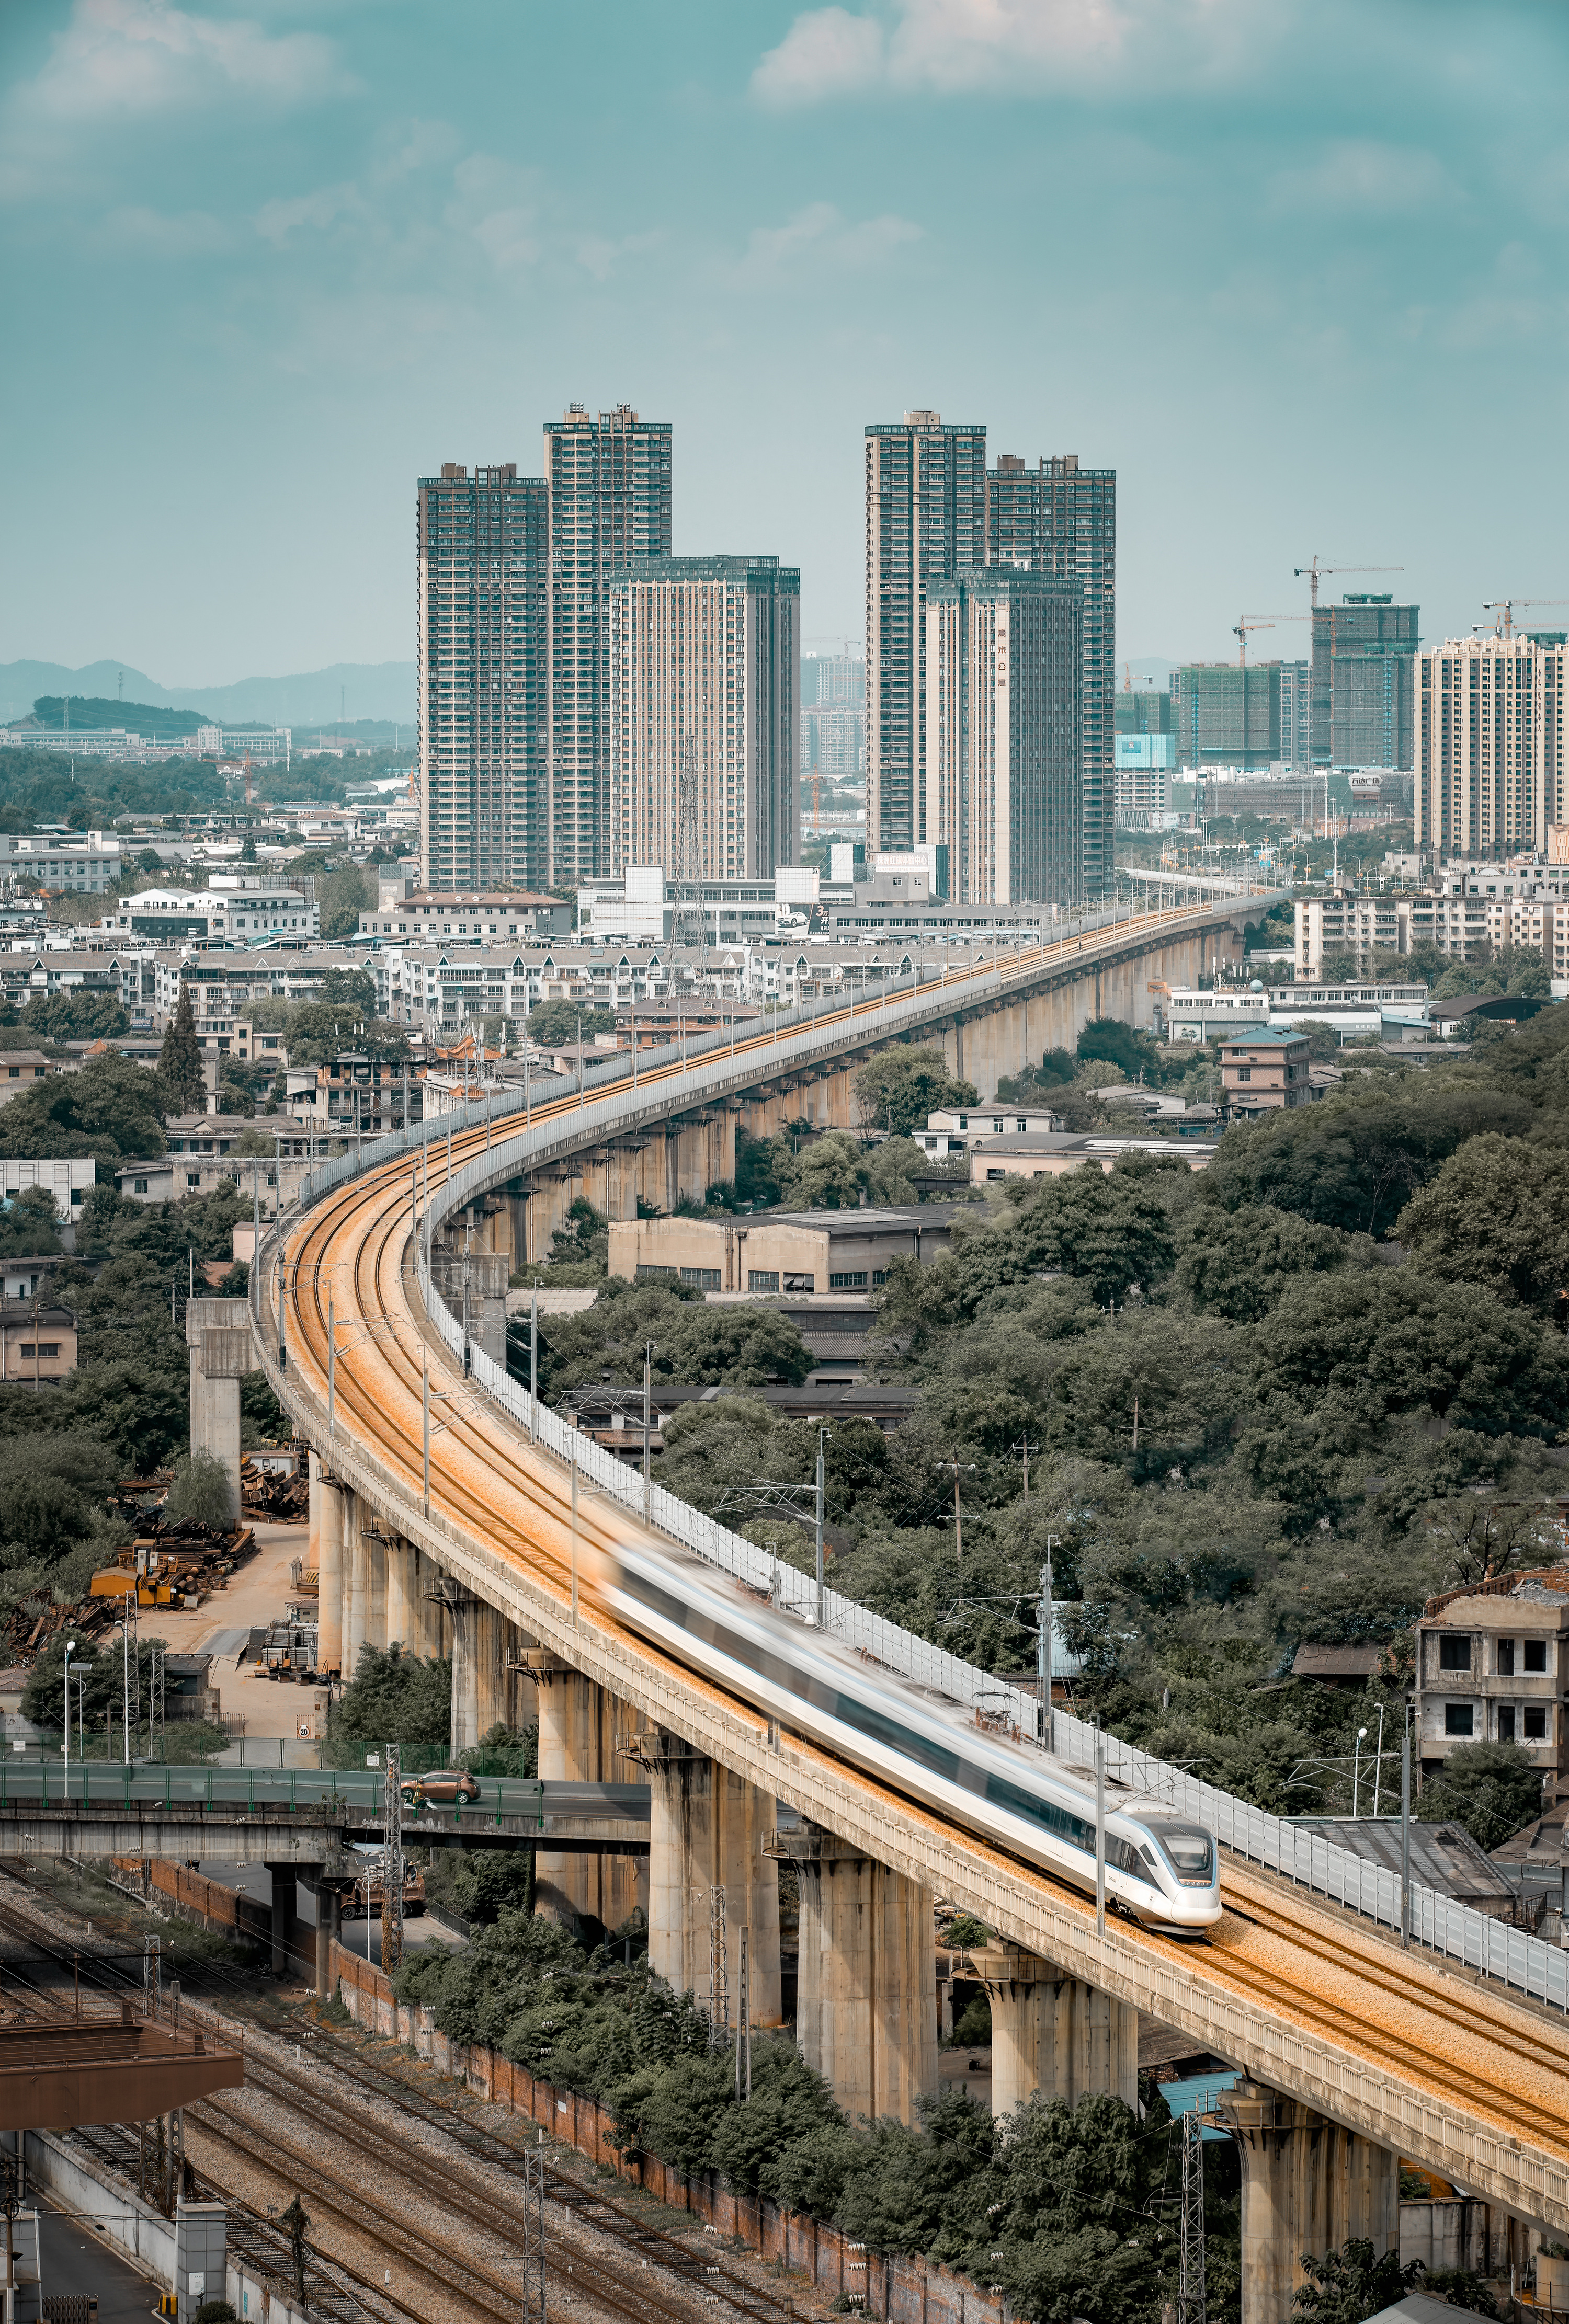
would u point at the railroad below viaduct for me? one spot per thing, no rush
(449, 1512)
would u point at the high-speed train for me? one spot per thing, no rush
(1161, 1868)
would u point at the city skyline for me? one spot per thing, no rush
(1312, 230)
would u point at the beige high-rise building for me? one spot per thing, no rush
(1004, 779)
(1492, 746)
(705, 714)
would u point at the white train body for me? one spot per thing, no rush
(1161, 1868)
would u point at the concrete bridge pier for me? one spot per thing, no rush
(582, 1727)
(464, 1611)
(1307, 2185)
(866, 2011)
(356, 1602)
(218, 1334)
(326, 1515)
(396, 1560)
(1054, 2033)
(487, 1302)
(709, 1829)
(328, 1922)
(285, 1878)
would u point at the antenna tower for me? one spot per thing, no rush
(1190, 2291)
(393, 1867)
(718, 1971)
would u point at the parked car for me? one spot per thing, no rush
(439, 1787)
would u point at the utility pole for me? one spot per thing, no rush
(1190, 2287)
(392, 1877)
(648, 1385)
(1406, 1833)
(1045, 1619)
(822, 1594)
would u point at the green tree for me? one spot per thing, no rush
(1137, 1055)
(395, 1697)
(341, 897)
(1355, 1160)
(180, 1074)
(699, 1345)
(1497, 1214)
(1490, 1788)
(200, 1492)
(109, 1110)
(29, 1224)
(551, 1024)
(74, 1017)
(1236, 1263)
(900, 1086)
(826, 1175)
(1348, 2285)
(320, 1031)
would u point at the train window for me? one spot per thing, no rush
(867, 1722)
(1190, 1849)
(1062, 1821)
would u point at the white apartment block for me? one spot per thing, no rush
(75, 865)
(509, 917)
(704, 692)
(1463, 924)
(1492, 745)
(251, 912)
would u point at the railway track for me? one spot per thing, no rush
(625, 2285)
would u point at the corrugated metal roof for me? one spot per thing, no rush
(1444, 1856)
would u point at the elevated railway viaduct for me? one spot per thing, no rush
(445, 1514)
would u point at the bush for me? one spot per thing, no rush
(202, 1492)
(1493, 1789)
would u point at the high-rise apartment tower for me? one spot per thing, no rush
(1295, 716)
(705, 715)
(1492, 746)
(481, 640)
(1005, 663)
(609, 483)
(926, 521)
(1364, 712)
(1060, 519)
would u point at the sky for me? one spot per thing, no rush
(1294, 268)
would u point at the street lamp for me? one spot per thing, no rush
(70, 1647)
(1357, 1771)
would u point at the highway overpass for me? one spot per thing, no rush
(445, 1515)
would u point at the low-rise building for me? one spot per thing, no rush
(1396, 1011)
(246, 912)
(1263, 1071)
(1492, 1666)
(772, 1252)
(1055, 1153)
(20, 1068)
(434, 917)
(67, 1181)
(75, 863)
(38, 1343)
(353, 1097)
(951, 1132)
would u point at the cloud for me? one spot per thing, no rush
(1359, 175)
(822, 235)
(129, 58)
(1001, 47)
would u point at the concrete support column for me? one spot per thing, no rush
(375, 1554)
(431, 1639)
(1307, 2186)
(522, 1699)
(357, 1596)
(327, 1536)
(464, 1609)
(1054, 2033)
(710, 1828)
(399, 1623)
(490, 1637)
(581, 1727)
(487, 1302)
(328, 1920)
(866, 2013)
(218, 1333)
(284, 1879)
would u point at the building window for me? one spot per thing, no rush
(702, 1278)
(1506, 1722)
(1245, 1072)
(1457, 1718)
(1533, 1718)
(1536, 1655)
(856, 1281)
(762, 1278)
(799, 1283)
(878, 1277)
(44, 1349)
(1506, 1658)
(1454, 1654)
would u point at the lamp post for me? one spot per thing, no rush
(1356, 1777)
(124, 1627)
(70, 1647)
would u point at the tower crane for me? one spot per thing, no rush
(1316, 572)
(1506, 607)
(1264, 621)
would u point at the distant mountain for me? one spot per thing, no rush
(147, 719)
(317, 697)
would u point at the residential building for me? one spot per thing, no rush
(243, 911)
(74, 864)
(263, 745)
(1053, 1153)
(1458, 913)
(926, 521)
(701, 750)
(481, 645)
(1145, 765)
(951, 1132)
(501, 917)
(67, 1181)
(1263, 1070)
(1141, 710)
(608, 487)
(19, 1069)
(354, 1097)
(1228, 1010)
(1492, 1666)
(1363, 708)
(781, 1252)
(1227, 713)
(38, 1343)
(1060, 519)
(1297, 716)
(1003, 757)
(1492, 745)
(833, 717)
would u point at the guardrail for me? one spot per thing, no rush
(332, 1790)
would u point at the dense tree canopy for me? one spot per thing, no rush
(553, 1023)
(110, 1109)
(900, 1086)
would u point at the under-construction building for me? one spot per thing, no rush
(1363, 705)
(704, 716)
(1492, 747)
(1225, 715)
(609, 481)
(481, 652)
(1295, 716)
(926, 521)
(1005, 663)
(1060, 519)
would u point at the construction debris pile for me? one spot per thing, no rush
(275, 1496)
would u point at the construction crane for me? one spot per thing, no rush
(1264, 621)
(1506, 607)
(1316, 572)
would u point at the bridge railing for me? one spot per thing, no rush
(88, 1782)
(1459, 1931)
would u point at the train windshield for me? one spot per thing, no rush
(1190, 1849)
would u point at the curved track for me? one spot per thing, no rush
(1498, 2060)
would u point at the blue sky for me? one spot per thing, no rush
(1296, 268)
